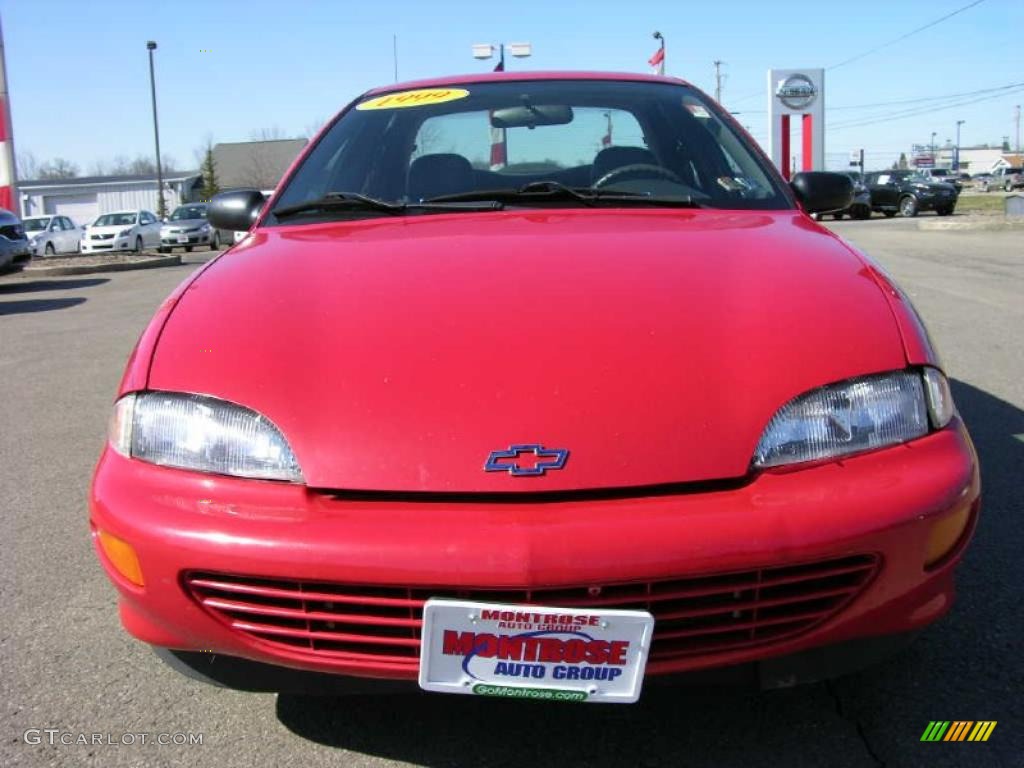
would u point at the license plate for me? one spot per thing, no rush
(183, 238)
(534, 652)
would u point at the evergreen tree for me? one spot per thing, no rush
(209, 170)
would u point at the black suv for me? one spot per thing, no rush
(909, 193)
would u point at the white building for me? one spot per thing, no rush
(83, 199)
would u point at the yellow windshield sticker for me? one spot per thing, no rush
(420, 98)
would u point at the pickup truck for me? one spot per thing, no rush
(943, 176)
(1007, 179)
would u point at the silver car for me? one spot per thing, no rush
(50, 235)
(13, 243)
(187, 227)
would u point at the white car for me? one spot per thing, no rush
(50, 235)
(122, 231)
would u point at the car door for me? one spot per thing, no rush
(148, 229)
(66, 242)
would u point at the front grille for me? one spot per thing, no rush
(693, 615)
(102, 237)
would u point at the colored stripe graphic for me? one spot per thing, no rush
(982, 730)
(958, 730)
(935, 730)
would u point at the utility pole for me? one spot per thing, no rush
(161, 207)
(1018, 129)
(718, 80)
(956, 156)
(394, 54)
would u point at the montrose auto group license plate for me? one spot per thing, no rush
(534, 652)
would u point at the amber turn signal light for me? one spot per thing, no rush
(946, 533)
(122, 556)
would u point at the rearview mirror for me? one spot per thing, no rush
(235, 210)
(822, 192)
(531, 116)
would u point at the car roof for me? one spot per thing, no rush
(497, 77)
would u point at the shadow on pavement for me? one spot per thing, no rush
(37, 305)
(33, 286)
(966, 667)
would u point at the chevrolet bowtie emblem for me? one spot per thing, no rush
(526, 460)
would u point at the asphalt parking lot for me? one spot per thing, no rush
(67, 665)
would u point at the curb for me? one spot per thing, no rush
(85, 269)
(992, 224)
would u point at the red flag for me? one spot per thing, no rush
(658, 61)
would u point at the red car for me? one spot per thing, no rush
(533, 385)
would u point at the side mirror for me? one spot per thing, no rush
(235, 210)
(822, 192)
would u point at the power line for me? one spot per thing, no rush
(879, 47)
(904, 37)
(916, 112)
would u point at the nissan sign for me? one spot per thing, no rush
(796, 92)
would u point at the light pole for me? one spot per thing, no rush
(956, 149)
(934, 159)
(486, 51)
(161, 208)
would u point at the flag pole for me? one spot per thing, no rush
(661, 52)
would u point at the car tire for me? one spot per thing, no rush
(49, 250)
(138, 244)
(861, 213)
(1008, 186)
(161, 249)
(908, 206)
(215, 243)
(889, 214)
(838, 216)
(188, 249)
(946, 211)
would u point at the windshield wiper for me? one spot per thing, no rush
(555, 190)
(339, 201)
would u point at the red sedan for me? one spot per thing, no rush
(533, 385)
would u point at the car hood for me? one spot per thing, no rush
(183, 224)
(112, 230)
(396, 354)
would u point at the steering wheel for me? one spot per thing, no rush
(638, 170)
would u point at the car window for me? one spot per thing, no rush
(185, 212)
(115, 220)
(646, 138)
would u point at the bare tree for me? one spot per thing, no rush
(58, 168)
(273, 133)
(313, 128)
(28, 165)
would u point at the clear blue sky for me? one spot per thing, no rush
(79, 80)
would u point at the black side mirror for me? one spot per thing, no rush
(235, 210)
(822, 192)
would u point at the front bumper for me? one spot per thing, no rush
(105, 246)
(168, 240)
(929, 202)
(884, 504)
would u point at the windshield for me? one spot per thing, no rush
(115, 220)
(638, 138)
(185, 212)
(36, 225)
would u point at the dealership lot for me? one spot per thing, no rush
(67, 665)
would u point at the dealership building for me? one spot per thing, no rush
(83, 199)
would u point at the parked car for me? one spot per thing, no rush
(860, 208)
(909, 193)
(14, 246)
(122, 231)
(944, 176)
(980, 181)
(1006, 179)
(643, 390)
(187, 227)
(50, 235)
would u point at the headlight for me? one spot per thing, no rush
(201, 433)
(124, 233)
(857, 415)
